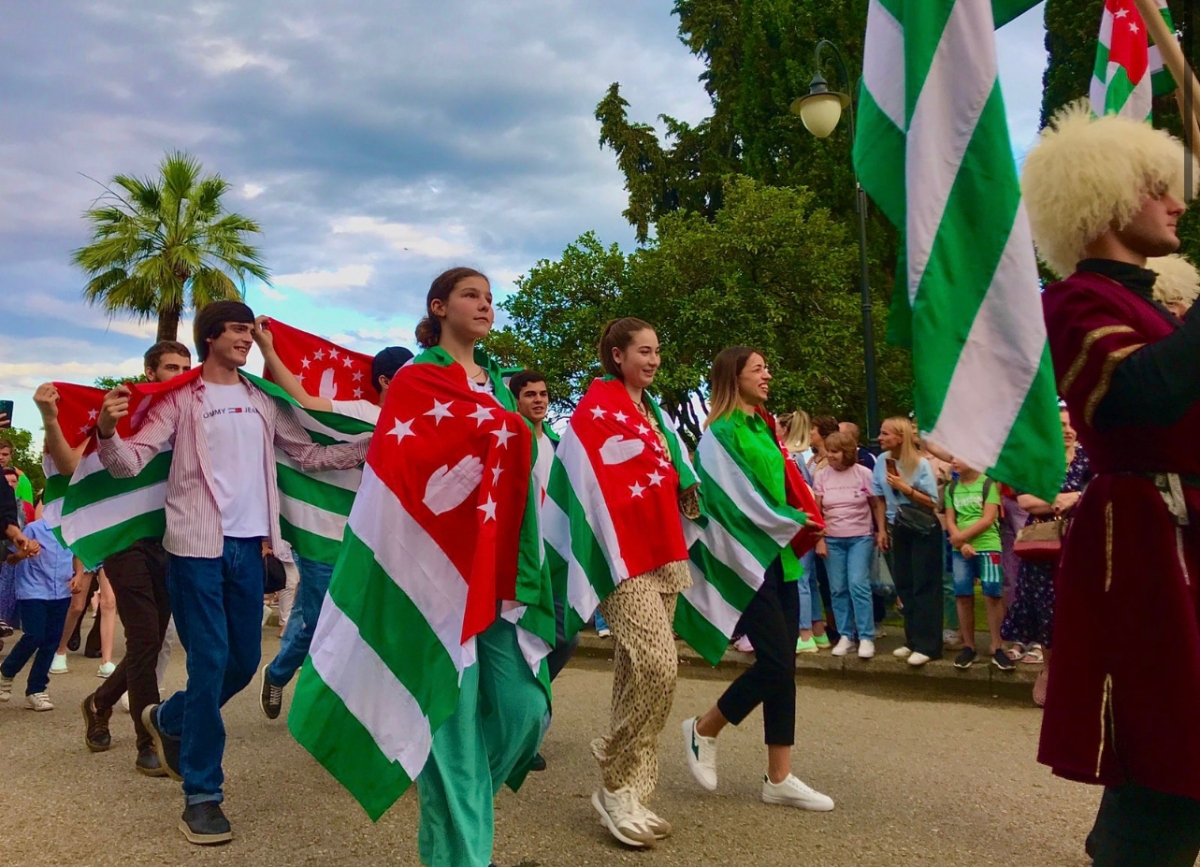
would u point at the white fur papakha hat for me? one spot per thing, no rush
(1178, 280)
(1087, 173)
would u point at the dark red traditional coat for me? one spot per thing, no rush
(1124, 692)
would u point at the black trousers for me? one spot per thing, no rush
(139, 580)
(772, 623)
(917, 570)
(558, 658)
(1139, 827)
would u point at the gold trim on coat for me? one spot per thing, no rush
(1106, 374)
(1080, 362)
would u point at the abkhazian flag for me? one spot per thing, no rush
(741, 530)
(1129, 71)
(96, 515)
(611, 510)
(434, 541)
(323, 368)
(933, 151)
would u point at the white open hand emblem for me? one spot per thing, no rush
(618, 450)
(447, 488)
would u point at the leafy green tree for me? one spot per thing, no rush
(161, 246)
(108, 383)
(1071, 35)
(26, 457)
(768, 270)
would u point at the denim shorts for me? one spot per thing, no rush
(984, 566)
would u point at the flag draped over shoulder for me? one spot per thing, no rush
(933, 151)
(744, 525)
(612, 506)
(434, 542)
(1129, 71)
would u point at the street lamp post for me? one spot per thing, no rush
(820, 110)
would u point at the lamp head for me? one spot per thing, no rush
(821, 108)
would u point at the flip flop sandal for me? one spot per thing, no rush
(1034, 655)
(1017, 652)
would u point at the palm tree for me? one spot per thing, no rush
(162, 246)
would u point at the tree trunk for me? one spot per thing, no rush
(168, 323)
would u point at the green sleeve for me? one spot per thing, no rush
(25, 489)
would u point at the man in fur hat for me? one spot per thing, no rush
(1104, 196)
(1177, 284)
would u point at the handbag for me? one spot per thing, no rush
(1041, 541)
(274, 575)
(916, 519)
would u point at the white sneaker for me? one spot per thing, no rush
(604, 633)
(5, 688)
(916, 660)
(38, 701)
(793, 793)
(866, 649)
(902, 652)
(949, 636)
(701, 755)
(105, 669)
(659, 827)
(844, 646)
(59, 665)
(624, 818)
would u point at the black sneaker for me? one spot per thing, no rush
(166, 746)
(1002, 661)
(270, 697)
(148, 763)
(95, 726)
(205, 824)
(538, 763)
(73, 641)
(966, 658)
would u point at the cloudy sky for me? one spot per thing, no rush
(376, 141)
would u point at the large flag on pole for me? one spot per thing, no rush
(933, 151)
(1129, 71)
(323, 368)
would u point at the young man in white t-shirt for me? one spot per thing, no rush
(314, 575)
(222, 500)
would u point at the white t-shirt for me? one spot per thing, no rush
(363, 410)
(233, 429)
(541, 469)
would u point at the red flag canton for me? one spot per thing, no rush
(639, 483)
(1130, 44)
(323, 368)
(459, 464)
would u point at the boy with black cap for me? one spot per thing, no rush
(222, 500)
(314, 575)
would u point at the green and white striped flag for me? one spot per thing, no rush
(933, 151)
(1129, 71)
(741, 531)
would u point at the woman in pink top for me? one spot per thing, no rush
(845, 492)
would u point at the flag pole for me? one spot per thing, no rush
(1172, 56)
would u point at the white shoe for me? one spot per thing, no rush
(949, 636)
(701, 755)
(743, 644)
(604, 633)
(624, 818)
(793, 793)
(105, 669)
(38, 701)
(902, 652)
(5, 688)
(916, 660)
(866, 649)
(59, 665)
(659, 827)
(844, 646)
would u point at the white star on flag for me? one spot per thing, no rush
(358, 392)
(305, 363)
(620, 416)
(636, 490)
(440, 411)
(319, 355)
(503, 435)
(643, 430)
(358, 376)
(401, 430)
(1121, 13)
(656, 478)
(664, 463)
(488, 509)
(84, 429)
(481, 415)
(333, 354)
(1133, 28)
(496, 471)
(598, 412)
(93, 414)
(347, 361)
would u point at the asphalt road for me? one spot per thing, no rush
(920, 778)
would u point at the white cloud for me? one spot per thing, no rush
(221, 56)
(271, 294)
(252, 191)
(346, 277)
(444, 242)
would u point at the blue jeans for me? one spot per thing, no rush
(314, 584)
(42, 621)
(849, 569)
(810, 592)
(218, 604)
